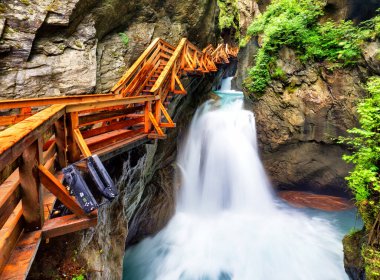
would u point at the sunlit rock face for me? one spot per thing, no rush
(300, 118)
(56, 47)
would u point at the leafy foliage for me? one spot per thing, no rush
(124, 38)
(295, 24)
(229, 16)
(364, 180)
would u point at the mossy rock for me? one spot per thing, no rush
(371, 258)
(353, 260)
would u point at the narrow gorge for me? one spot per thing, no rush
(259, 150)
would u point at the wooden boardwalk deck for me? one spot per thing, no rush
(44, 135)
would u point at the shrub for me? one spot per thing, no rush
(124, 38)
(295, 24)
(364, 179)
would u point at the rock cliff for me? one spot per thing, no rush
(56, 47)
(307, 107)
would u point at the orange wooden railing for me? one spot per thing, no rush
(47, 134)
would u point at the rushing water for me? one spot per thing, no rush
(229, 224)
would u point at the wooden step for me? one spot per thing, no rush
(109, 138)
(156, 136)
(22, 256)
(68, 224)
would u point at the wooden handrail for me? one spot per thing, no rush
(132, 70)
(15, 139)
(44, 101)
(176, 55)
(75, 127)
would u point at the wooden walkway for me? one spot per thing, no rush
(43, 135)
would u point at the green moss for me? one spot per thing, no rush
(279, 74)
(25, 2)
(229, 16)
(124, 38)
(3, 8)
(371, 258)
(295, 24)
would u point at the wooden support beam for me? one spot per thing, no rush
(9, 234)
(67, 224)
(147, 110)
(61, 141)
(81, 143)
(73, 153)
(22, 256)
(155, 124)
(55, 187)
(31, 195)
(170, 123)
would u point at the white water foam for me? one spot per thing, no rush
(229, 224)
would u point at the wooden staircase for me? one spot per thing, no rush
(44, 135)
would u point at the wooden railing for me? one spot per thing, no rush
(47, 134)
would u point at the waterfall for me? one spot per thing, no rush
(229, 223)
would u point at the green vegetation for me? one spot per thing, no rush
(364, 180)
(124, 38)
(295, 24)
(79, 277)
(229, 16)
(25, 2)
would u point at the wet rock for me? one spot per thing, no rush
(315, 201)
(371, 54)
(298, 126)
(353, 260)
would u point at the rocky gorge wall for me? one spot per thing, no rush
(63, 47)
(57, 47)
(304, 111)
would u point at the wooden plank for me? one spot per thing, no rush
(101, 141)
(97, 117)
(49, 153)
(30, 186)
(22, 256)
(59, 190)
(9, 235)
(13, 119)
(15, 139)
(81, 143)
(44, 101)
(122, 146)
(9, 196)
(112, 126)
(67, 224)
(105, 104)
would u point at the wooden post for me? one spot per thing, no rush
(61, 141)
(157, 111)
(147, 110)
(31, 194)
(73, 153)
